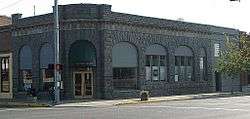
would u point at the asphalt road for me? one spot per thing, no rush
(218, 108)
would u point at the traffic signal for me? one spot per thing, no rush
(57, 66)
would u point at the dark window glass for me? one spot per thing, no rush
(47, 75)
(123, 73)
(182, 61)
(124, 78)
(155, 60)
(189, 61)
(177, 61)
(148, 58)
(162, 60)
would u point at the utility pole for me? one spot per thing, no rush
(34, 8)
(57, 77)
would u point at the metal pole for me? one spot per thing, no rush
(57, 53)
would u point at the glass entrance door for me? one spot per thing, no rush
(88, 81)
(83, 84)
(78, 84)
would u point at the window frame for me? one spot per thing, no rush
(159, 59)
(5, 69)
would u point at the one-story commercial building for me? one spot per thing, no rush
(106, 54)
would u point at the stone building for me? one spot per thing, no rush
(107, 54)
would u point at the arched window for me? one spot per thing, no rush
(25, 63)
(46, 65)
(82, 53)
(82, 62)
(155, 62)
(203, 64)
(124, 63)
(184, 63)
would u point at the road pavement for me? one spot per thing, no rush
(215, 108)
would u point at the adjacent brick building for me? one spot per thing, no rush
(5, 58)
(107, 54)
(4, 20)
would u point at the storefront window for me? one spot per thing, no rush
(155, 68)
(203, 65)
(5, 79)
(47, 66)
(25, 71)
(48, 75)
(155, 62)
(124, 63)
(27, 78)
(183, 64)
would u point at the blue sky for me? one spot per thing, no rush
(214, 12)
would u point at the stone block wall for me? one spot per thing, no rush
(104, 28)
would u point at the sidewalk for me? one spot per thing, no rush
(107, 103)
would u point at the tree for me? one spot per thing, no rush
(245, 49)
(235, 59)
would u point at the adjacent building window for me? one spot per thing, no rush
(46, 66)
(25, 63)
(203, 65)
(183, 64)
(155, 63)
(124, 63)
(5, 79)
(216, 50)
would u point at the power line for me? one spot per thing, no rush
(11, 5)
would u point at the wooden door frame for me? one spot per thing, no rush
(83, 84)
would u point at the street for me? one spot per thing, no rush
(216, 108)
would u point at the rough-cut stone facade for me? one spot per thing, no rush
(105, 28)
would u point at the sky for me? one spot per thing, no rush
(213, 12)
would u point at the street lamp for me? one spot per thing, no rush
(57, 77)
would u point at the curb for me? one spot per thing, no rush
(123, 102)
(180, 98)
(22, 105)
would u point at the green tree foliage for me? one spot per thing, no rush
(245, 49)
(235, 59)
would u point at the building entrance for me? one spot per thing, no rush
(83, 84)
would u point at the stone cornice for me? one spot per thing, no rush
(77, 24)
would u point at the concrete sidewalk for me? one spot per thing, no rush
(106, 103)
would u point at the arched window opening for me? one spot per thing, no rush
(82, 64)
(203, 65)
(184, 63)
(47, 66)
(124, 63)
(25, 63)
(155, 62)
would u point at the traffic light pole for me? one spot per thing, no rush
(57, 77)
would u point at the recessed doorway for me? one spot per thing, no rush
(83, 82)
